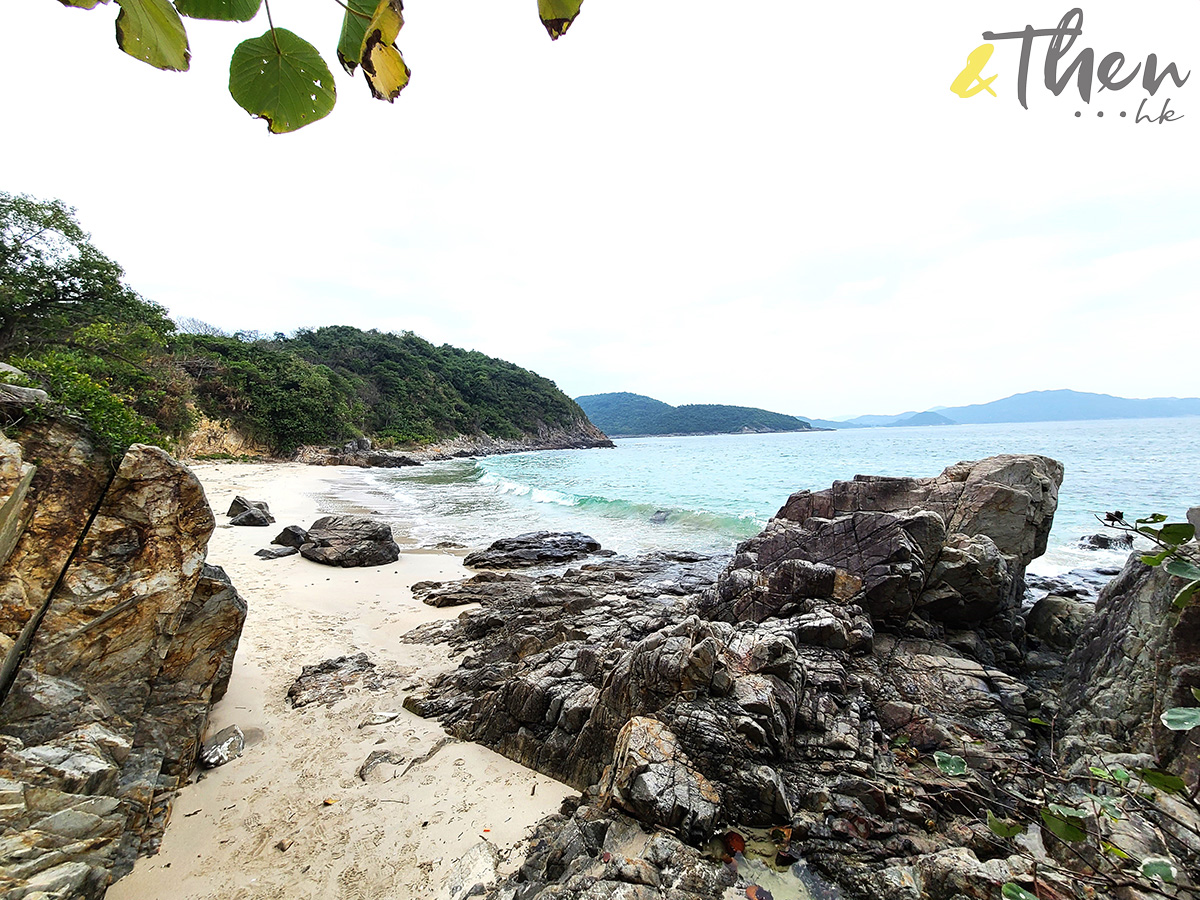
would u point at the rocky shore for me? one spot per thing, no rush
(360, 452)
(856, 703)
(858, 687)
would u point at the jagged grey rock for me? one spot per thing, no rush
(240, 505)
(292, 536)
(350, 541)
(534, 548)
(254, 517)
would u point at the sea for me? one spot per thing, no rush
(708, 492)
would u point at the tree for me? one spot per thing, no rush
(279, 76)
(53, 280)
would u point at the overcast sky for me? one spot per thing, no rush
(776, 204)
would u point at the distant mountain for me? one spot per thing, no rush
(1063, 406)
(874, 421)
(925, 418)
(830, 423)
(1032, 406)
(626, 415)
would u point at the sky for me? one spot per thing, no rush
(778, 204)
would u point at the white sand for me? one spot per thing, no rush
(394, 836)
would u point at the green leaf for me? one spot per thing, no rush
(1012, 891)
(1108, 805)
(1037, 720)
(1067, 812)
(1183, 568)
(1114, 850)
(1196, 693)
(1003, 827)
(354, 31)
(382, 64)
(1177, 533)
(1068, 828)
(1181, 718)
(1147, 531)
(557, 15)
(1164, 781)
(287, 83)
(82, 4)
(950, 764)
(1159, 867)
(1155, 559)
(1152, 519)
(151, 30)
(1185, 594)
(221, 10)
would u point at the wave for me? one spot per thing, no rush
(744, 525)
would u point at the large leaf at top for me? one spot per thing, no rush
(221, 10)
(382, 64)
(281, 77)
(152, 31)
(557, 15)
(354, 30)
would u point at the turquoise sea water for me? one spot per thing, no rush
(708, 492)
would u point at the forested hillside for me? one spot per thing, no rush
(634, 414)
(68, 320)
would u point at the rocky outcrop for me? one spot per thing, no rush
(805, 686)
(210, 438)
(535, 548)
(582, 435)
(119, 638)
(353, 454)
(349, 541)
(1136, 657)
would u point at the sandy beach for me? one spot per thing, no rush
(296, 785)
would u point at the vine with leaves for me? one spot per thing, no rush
(279, 76)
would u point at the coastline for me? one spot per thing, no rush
(397, 832)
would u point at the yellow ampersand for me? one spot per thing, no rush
(964, 85)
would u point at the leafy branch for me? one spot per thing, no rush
(279, 76)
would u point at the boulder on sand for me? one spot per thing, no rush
(350, 541)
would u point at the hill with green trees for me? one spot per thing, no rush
(69, 322)
(629, 415)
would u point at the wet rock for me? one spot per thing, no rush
(1078, 584)
(535, 548)
(1114, 540)
(349, 541)
(227, 744)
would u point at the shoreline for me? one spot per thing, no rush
(399, 831)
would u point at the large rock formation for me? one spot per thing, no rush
(806, 688)
(118, 639)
